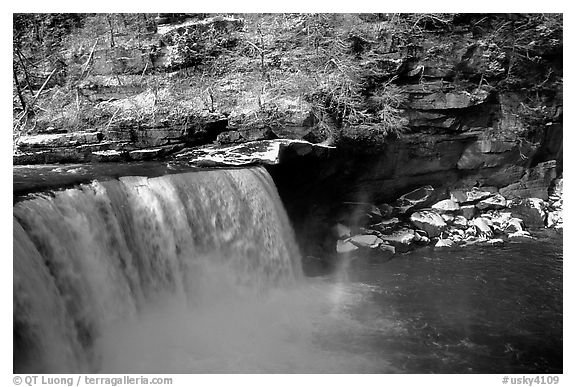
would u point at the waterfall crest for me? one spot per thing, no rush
(87, 257)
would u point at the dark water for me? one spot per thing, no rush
(468, 310)
(86, 260)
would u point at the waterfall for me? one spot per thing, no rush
(89, 257)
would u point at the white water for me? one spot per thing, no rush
(195, 272)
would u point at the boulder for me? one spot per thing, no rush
(470, 232)
(444, 243)
(448, 218)
(460, 222)
(468, 211)
(386, 226)
(514, 225)
(494, 241)
(532, 211)
(496, 202)
(414, 200)
(554, 219)
(403, 237)
(370, 241)
(387, 248)
(447, 205)
(557, 187)
(483, 228)
(429, 221)
(345, 246)
(469, 196)
(386, 210)
(521, 234)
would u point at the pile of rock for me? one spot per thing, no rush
(468, 216)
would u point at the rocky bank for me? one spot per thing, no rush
(381, 131)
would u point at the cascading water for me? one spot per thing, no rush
(199, 272)
(88, 258)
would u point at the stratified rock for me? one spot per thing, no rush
(257, 152)
(534, 183)
(444, 243)
(343, 247)
(370, 241)
(443, 101)
(414, 200)
(531, 211)
(429, 221)
(447, 205)
(496, 202)
(58, 140)
(468, 211)
(483, 227)
(341, 231)
(469, 196)
(107, 156)
(489, 153)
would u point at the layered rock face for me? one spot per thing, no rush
(453, 115)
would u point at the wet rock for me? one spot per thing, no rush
(469, 196)
(460, 222)
(343, 247)
(448, 218)
(341, 231)
(534, 183)
(421, 237)
(514, 225)
(521, 234)
(496, 202)
(386, 226)
(470, 232)
(557, 187)
(386, 210)
(370, 241)
(414, 200)
(444, 243)
(403, 237)
(447, 205)
(387, 248)
(494, 241)
(429, 221)
(554, 219)
(532, 211)
(483, 227)
(468, 211)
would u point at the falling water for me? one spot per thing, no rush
(89, 259)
